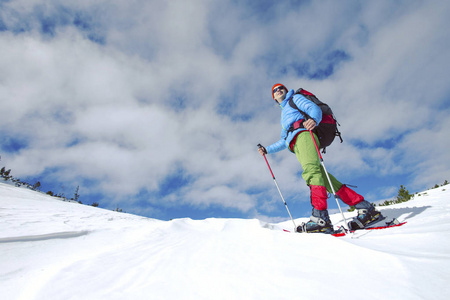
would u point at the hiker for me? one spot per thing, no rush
(300, 142)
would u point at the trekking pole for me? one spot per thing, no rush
(276, 184)
(329, 180)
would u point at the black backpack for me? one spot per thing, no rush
(327, 129)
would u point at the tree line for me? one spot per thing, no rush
(402, 196)
(6, 175)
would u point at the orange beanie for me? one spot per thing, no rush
(275, 86)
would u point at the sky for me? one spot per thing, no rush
(156, 107)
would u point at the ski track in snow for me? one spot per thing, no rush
(52, 249)
(41, 237)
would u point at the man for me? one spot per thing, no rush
(298, 140)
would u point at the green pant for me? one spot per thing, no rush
(313, 172)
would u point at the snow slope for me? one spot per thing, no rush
(50, 249)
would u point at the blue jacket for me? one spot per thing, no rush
(290, 115)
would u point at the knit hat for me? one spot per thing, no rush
(277, 85)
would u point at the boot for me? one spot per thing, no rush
(319, 223)
(367, 214)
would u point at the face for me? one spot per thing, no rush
(279, 94)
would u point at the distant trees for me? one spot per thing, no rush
(76, 196)
(36, 186)
(6, 175)
(404, 195)
(437, 185)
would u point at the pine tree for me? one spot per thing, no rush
(36, 186)
(403, 195)
(77, 196)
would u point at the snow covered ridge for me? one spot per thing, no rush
(50, 249)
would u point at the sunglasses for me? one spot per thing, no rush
(279, 88)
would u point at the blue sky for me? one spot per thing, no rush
(156, 107)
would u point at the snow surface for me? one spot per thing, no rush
(51, 249)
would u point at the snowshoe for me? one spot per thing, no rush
(314, 227)
(318, 223)
(365, 217)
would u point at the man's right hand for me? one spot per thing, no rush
(309, 124)
(262, 150)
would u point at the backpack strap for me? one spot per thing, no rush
(294, 106)
(298, 124)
